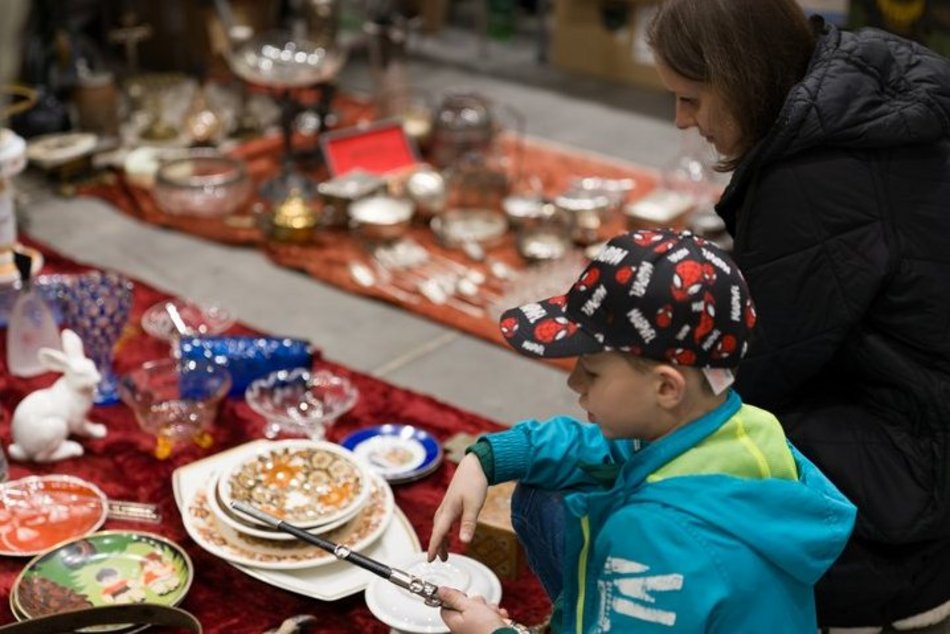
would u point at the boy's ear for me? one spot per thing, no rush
(671, 386)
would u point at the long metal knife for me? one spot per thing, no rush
(403, 579)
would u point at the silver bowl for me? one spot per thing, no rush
(380, 218)
(206, 186)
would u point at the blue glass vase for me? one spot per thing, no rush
(96, 307)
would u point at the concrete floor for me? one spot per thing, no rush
(411, 352)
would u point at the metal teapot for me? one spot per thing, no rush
(463, 124)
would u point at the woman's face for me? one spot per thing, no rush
(697, 105)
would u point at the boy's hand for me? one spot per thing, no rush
(464, 497)
(469, 615)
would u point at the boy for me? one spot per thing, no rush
(683, 509)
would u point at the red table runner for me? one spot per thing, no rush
(554, 166)
(221, 597)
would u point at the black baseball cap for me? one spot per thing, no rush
(659, 294)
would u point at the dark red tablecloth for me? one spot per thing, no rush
(224, 599)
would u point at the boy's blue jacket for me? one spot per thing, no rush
(720, 526)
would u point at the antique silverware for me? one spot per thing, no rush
(414, 585)
(365, 277)
(134, 511)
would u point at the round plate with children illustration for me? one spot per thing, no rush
(105, 568)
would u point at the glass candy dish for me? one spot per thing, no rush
(176, 400)
(299, 402)
(206, 186)
(199, 319)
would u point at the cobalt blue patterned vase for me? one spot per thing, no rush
(97, 307)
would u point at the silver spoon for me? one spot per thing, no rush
(365, 277)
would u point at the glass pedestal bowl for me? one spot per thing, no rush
(206, 186)
(282, 62)
(300, 403)
(176, 400)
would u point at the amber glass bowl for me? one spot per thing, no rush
(175, 399)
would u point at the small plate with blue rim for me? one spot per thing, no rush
(399, 453)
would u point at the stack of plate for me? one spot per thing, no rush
(313, 485)
(316, 485)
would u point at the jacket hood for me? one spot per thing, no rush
(803, 544)
(865, 89)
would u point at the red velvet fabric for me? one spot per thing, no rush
(222, 598)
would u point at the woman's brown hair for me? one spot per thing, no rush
(750, 52)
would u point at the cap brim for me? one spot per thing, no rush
(542, 329)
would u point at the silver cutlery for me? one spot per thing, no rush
(414, 585)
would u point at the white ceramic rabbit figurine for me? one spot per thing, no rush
(43, 420)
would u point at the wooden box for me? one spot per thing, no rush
(495, 543)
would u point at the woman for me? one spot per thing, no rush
(840, 211)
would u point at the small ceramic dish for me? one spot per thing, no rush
(400, 453)
(103, 569)
(52, 150)
(199, 319)
(304, 482)
(407, 612)
(38, 512)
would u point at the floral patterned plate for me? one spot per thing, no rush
(221, 540)
(303, 482)
(38, 512)
(104, 568)
(242, 524)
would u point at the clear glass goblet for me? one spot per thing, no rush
(97, 307)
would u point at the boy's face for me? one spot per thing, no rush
(618, 398)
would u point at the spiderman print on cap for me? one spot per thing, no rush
(660, 294)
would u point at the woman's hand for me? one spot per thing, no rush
(464, 498)
(470, 615)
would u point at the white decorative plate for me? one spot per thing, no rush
(407, 612)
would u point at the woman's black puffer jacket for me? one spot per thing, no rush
(841, 220)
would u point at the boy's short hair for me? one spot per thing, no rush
(659, 294)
